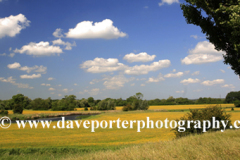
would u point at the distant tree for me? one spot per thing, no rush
(90, 100)
(19, 103)
(138, 95)
(232, 96)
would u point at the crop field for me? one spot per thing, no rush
(81, 137)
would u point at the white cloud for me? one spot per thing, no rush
(75, 84)
(204, 52)
(182, 91)
(94, 91)
(39, 49)
(12, 81)
(15, 65)
(94, 81)
(173, 75)
(3, 54)
(142, 85)
(228, 86)
(58, 33)
(194, 36)
(100, 65)
(213, 82)
(115, 82)
(67, 44)
(12, 25)
(190, 80)
(50, 78)
(51, 89)
(196, 73)
(39, 69)
(174, 70)
(222, 71)
(144, 69)
(88, 30)
(25, 76)
(59, 95)
(59, 85)
(133, 84)
(159, 78)
(169, 2)
(197, 90)
(141, 57)
(11, 55)
(43, 84)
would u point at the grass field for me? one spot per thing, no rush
(102, 139)
(19, 138)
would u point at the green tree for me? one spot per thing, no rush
(19, 103)
(138, 95)
(219, 20)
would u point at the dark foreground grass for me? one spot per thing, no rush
(216, 145)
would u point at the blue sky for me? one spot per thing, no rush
(106, 49)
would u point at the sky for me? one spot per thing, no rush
(107, 48)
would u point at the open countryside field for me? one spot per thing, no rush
(80, 137)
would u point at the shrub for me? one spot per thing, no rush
(17, 109)
(85, 108)
(111, 105)
(200, 115)
(237, 103)
(3, 112)
(143, 105)
(93, 108)
(128, 107)
(102, 105)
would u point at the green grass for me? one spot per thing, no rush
(215, 145)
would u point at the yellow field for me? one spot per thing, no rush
(168, 107)
(22, 138)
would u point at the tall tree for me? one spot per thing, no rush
(220, 21)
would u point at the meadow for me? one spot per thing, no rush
(86, 140)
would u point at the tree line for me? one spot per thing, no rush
(19, 102)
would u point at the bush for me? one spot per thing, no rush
(85, 108)
(111, 105)
(3, 112)
(102, 105)
(237, 103)
(128, 107)
(93, 108)
(200, 115)
(17, 109)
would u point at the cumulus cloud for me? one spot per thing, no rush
(213, 82)
(39, 69)
(43, 84)
(133, 84)
(11, 55)
(88, 30)
(13, 82)
(204, 52)
(25, 76)
(173, 75)
(115, 82)
(174, 70)
(169, 2)
(15, 65)
(141, 57)
(39, 49)
(58, 33)
(142, 85)
(3, 54)
(152, 79)
(68, 45)
(182, 91)
(94, 91)
(51, 89)
(196, 73)
(190, 80)
(50, 78)
(144, 69)
(12, 25)
(228, 86)
(100, 65)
